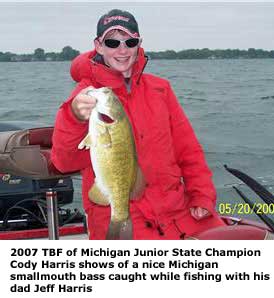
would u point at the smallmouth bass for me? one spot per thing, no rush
(113, 156)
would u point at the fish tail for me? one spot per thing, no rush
(120, 230)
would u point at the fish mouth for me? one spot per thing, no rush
(105, 118)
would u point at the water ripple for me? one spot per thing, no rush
(267, 97)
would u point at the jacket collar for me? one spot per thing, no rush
(84, 67)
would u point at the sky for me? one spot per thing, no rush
(177, 25)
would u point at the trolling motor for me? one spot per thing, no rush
(29, 182)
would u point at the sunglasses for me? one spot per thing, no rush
(115, 43)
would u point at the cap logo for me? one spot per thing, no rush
(115, 18)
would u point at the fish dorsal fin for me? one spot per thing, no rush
(85, 143)
(96, 196)
(139, 185)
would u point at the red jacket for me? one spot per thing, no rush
(166, 145)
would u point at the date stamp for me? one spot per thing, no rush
(245, 209)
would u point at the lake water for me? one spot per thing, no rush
(230, 104)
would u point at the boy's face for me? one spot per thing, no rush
(121, 58)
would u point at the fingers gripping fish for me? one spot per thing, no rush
(114, 161)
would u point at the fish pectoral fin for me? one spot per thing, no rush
(96, 196)
(105, 138)
(85, 143)
(139, 185)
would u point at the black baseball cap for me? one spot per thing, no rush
(117, 19)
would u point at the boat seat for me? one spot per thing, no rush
(27, 153)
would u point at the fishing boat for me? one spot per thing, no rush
(34, 194)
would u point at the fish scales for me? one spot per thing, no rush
(116, 167)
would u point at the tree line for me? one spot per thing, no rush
(68, 53)
(212, 54)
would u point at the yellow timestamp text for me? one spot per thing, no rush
(244, 208)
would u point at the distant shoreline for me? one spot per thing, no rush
(68, 54)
